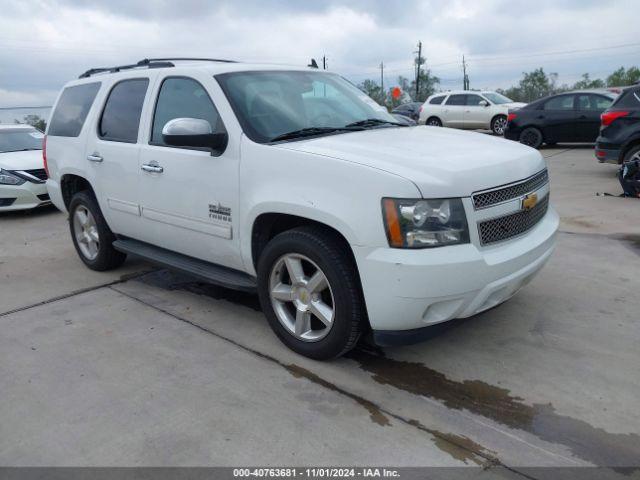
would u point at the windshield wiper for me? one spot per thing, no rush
(373, 122)
(309, 131)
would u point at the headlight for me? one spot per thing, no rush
(424, 223)
(8, 178)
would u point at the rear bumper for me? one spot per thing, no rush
(410, 289)
(23, 197)
(607, 155)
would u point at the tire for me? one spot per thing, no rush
(433, 122)
(531, 137)
(291, 306)
(499, 124)
(632, 154)
(94, 239)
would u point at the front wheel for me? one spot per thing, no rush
(91, 235)
(310, 292)
(531, 137)
(499, 124)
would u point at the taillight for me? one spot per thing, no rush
(511, 116)
(608, 117)
(420, 109)
(44, 154)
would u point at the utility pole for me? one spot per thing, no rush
(324, 62)
(465, 77)
(382, 95)
(418, 63)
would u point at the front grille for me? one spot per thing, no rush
(39, 173)
(503, 228)
(5, 202)
(502, 194)
(44, 197)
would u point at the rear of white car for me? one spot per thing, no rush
(22, 176)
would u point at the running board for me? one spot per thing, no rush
(208, 272)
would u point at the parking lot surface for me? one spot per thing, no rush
(142, 366)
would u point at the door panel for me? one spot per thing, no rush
(453, 111)
(191, 205)
(558, 118)
(112, 154)
(475, 115)
(589, 107)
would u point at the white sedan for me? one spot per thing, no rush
(468, 109)
(22, 176)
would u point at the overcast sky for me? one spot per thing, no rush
(44, 43)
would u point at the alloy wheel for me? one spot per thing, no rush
(301, 297)
(86, 232)
(499, 125)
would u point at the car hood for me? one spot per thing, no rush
(441, 162)
(27, 160)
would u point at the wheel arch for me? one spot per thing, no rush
(70, 184)
(631, 143)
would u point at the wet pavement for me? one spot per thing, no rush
(147, 367)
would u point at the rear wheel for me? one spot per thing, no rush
(499, 124)
(433, 122)
(531, 137)
(310, 292)
(91, 235)
(632, 154)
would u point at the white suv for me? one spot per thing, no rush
(468, 109)
(292, 183)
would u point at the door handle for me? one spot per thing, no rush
(152, 168)
(94, 157)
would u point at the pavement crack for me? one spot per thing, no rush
(457, 446)
(122, 279)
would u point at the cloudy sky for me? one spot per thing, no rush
(44, 43)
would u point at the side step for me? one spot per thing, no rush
(208, 272)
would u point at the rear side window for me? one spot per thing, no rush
(120, 119)
(72, 109)
(436, 100)
(457, 100)
(593, 102)
(182, 98)
(564, 102)
(628, 99)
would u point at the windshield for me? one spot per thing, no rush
(271, 104)
(18, 140)
(497, 98)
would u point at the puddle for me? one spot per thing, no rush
(585, 441)
(169, 280)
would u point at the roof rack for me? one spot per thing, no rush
(149, 63)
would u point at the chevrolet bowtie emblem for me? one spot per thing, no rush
(529, 201)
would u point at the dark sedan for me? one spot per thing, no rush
(566, 117)
(411, 110)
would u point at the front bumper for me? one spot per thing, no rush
(511, 133)
(411, 289)
(23, 197)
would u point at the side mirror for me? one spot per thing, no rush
(483, 103)
(193, 132)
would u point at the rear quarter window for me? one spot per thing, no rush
(72, 109)
(628, 99)
(436, 100)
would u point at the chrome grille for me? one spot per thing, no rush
(503, 228)
(502, 194)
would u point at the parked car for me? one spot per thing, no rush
(22, 178)
(619, 139)
(468, 109)
(404, 120)
(566, 117)
(342, 222)
(411, 110)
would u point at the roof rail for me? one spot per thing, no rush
(194, 59)
(146, 63)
